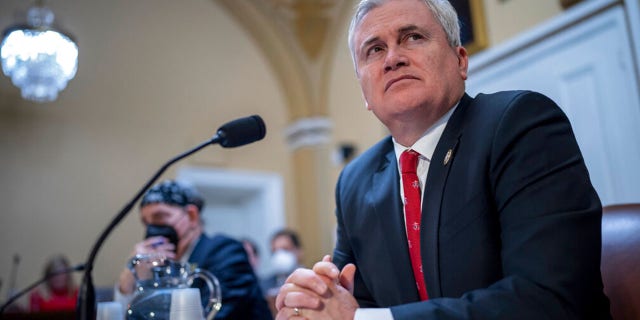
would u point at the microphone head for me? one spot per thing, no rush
(80, 267)
(241, 131)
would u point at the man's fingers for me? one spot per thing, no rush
(347, 276)
(293, 314)
(327, 269)
(306, 278)
(280, 299)
(291, 295)
(301, 280)
(155, 241)
(302, 300)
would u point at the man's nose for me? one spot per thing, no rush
(395, 59)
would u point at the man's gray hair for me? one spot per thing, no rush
(442, 10)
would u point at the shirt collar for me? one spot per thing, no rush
(427, 143)
(187, 253)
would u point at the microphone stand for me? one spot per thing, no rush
(19, 294)
(86, 308)
(12, 278)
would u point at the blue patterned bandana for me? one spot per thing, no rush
(172, 193)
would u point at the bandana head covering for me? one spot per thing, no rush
(173, 193)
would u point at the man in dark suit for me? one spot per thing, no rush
(176, 207)
(507, 223)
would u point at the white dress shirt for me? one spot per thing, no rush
(426, 145)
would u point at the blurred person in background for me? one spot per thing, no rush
(176, 206)
(286, 256)
(59, 292)
(253, 252)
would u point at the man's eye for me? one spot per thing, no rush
(414, 36)
(373, 50)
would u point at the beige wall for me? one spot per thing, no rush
(506, 18)
(155, 78)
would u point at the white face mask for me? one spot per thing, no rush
(283, 262)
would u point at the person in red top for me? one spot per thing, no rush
(58, 293)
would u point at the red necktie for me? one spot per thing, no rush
(412, 209)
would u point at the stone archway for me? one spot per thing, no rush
(298, 37)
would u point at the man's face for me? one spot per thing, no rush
(405, 65)
(167, 215)
(284, 243)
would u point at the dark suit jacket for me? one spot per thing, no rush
(510, 224)
(228, 261)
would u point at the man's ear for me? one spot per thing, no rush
(463, 61)
(366, 103)
(193, 212)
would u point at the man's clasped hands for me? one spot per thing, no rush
(323, 292)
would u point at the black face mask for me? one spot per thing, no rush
(162, 230)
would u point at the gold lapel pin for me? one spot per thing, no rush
(447, 157)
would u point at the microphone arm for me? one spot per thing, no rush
(232, 134)
(86, 308)
(12, 278)
(19, 294)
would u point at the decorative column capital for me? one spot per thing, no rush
(308, 132)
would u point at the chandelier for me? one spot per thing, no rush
(38, 59)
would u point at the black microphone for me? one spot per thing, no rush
(19, 294)
(241, 131)
(232, 134)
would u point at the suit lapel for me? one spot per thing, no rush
(441, 162)
(196, 256)
(386, 207)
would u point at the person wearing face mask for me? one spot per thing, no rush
(173, 210)
(286, 255)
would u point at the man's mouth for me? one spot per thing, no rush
(394, 80)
